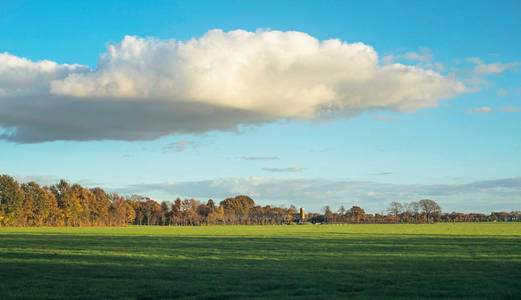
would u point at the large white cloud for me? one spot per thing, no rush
(147, 88)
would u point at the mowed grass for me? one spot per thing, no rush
(313, 261)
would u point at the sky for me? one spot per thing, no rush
(306, 103)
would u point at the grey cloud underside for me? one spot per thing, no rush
(36, 118)
(481, 196)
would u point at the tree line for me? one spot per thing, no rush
(416, 212)
(65, 204)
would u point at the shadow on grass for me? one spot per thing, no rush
(64, 266)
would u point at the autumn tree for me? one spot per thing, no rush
(138, 208)
(99, 205)
(120, 212)
(240, 204)
(211, 205)
(175, 212)
(413, 209)
(204, 211)
(152, 211)
(237, 208)
(356, 214)
(164, 217)
(67, 204)
(40, 202)
(395, 208)
(429, 207)
(328, 214)
(11, 200)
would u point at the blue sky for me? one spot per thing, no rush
(459, 144)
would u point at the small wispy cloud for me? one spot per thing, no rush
(480, 110)
(421, 57)
(48, 180)
(283, 170)
(181, 146)
(382, 173)
(510, 109)
(40, 179)
(474, 82)
(502, 93)
(260, 158)
(322, 149)
(424, 58)
(387, 119)
(475, 60)
(483, 68)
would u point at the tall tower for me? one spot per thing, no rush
(302, 214)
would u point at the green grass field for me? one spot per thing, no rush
(314, 261)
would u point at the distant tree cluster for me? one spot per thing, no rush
(423, 211)
(65, 204)
(240, 210)
(428, 211)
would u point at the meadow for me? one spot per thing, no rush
(463, 260)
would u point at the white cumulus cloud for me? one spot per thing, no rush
(21, 75)
(145, 88)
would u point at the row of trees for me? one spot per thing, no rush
(63, 204)
(231, 211)
(429, 211)
(423, 211)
